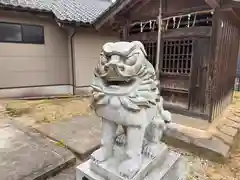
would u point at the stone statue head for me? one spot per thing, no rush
(121, 62)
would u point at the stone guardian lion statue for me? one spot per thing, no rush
(125, 93)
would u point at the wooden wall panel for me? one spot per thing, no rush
(224, 65)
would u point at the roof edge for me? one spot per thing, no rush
(47, 12)
(20, 8)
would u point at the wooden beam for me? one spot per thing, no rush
(236, 14)
(143, 3)
(186, 11)
(134, 4)
(200, 31)
(111, 13)
(213, 3)
(232, 14)
(126, 30)
(230, 4)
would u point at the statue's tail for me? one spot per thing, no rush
(166, 116)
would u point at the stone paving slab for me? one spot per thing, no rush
(27, 155)
(81, 134)
(68, 174)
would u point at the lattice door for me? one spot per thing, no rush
(175, 71)
(151, 49)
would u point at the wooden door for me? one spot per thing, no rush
(175, 71)
(198, 91)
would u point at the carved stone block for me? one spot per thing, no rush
(108, 169)
(172, 167)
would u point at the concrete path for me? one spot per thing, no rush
(27, 155)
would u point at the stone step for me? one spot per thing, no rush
(216, 138)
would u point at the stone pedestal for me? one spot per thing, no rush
(166, 165)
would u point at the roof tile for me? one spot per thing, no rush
(85, 11)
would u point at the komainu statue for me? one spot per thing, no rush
(125, 93)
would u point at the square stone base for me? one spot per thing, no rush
(108, 169)
(173, 168)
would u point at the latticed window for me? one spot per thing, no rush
(151, 49)
(177, 56)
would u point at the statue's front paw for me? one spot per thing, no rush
(121, 140)
(100, 155)
(129, 168)
(151, 150)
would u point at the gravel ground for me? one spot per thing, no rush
(37, 112)
(201, 168)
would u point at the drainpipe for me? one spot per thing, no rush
(73, 61)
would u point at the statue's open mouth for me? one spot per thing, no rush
(116, 82)
(118, 86)
(119, 83)
(117, 79)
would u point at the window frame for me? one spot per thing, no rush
(22, 33)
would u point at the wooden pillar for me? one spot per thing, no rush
(213, 3)
(126, 30)
(159, 39)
